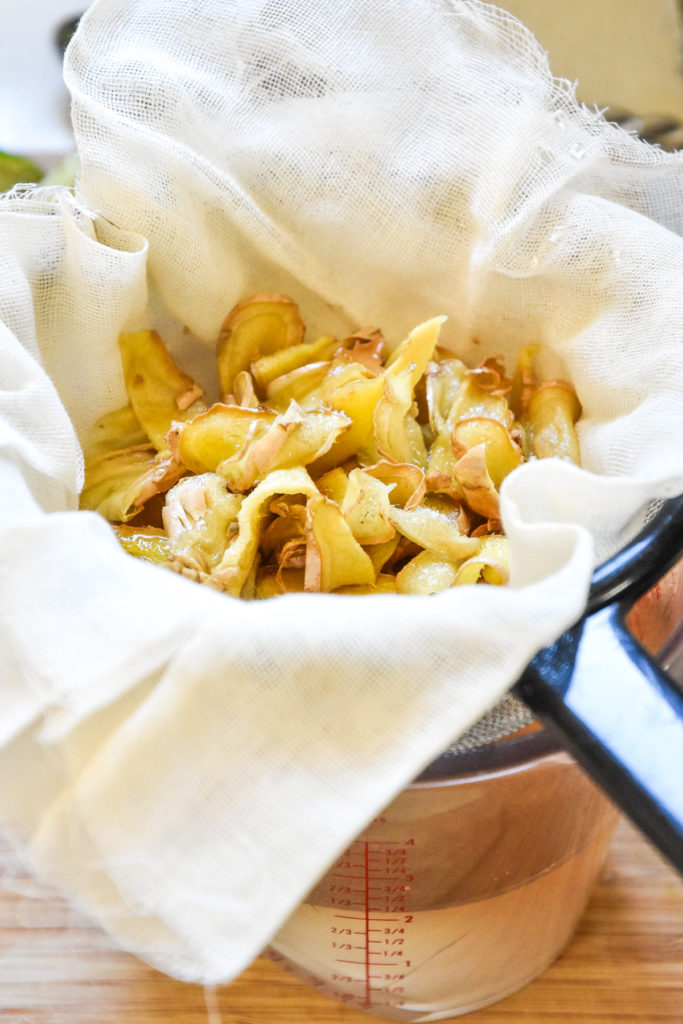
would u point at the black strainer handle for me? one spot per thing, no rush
(612, 706)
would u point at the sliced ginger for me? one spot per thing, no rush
(328, 466)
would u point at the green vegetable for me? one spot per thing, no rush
(15, 169)
(64, 33)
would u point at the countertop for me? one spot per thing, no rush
(624, 966)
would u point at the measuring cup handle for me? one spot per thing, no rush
(621, 716)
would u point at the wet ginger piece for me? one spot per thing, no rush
(257, 327)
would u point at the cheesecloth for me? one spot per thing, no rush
(183, 764)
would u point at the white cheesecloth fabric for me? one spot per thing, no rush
(183, 764)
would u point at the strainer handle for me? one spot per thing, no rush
(638, 566)
(613, 707)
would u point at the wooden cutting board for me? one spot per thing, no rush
(625, 965)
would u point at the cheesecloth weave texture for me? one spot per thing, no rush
(183, 764)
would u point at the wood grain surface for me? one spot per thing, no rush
(624, 966)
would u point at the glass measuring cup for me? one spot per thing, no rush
(472, 881)
(466, 887)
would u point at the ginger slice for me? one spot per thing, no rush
(257, 327)
(159, 392)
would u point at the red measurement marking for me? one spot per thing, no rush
(367, 926)
(371, 963)
(390, 878)
(385, 842)
(378, 907)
